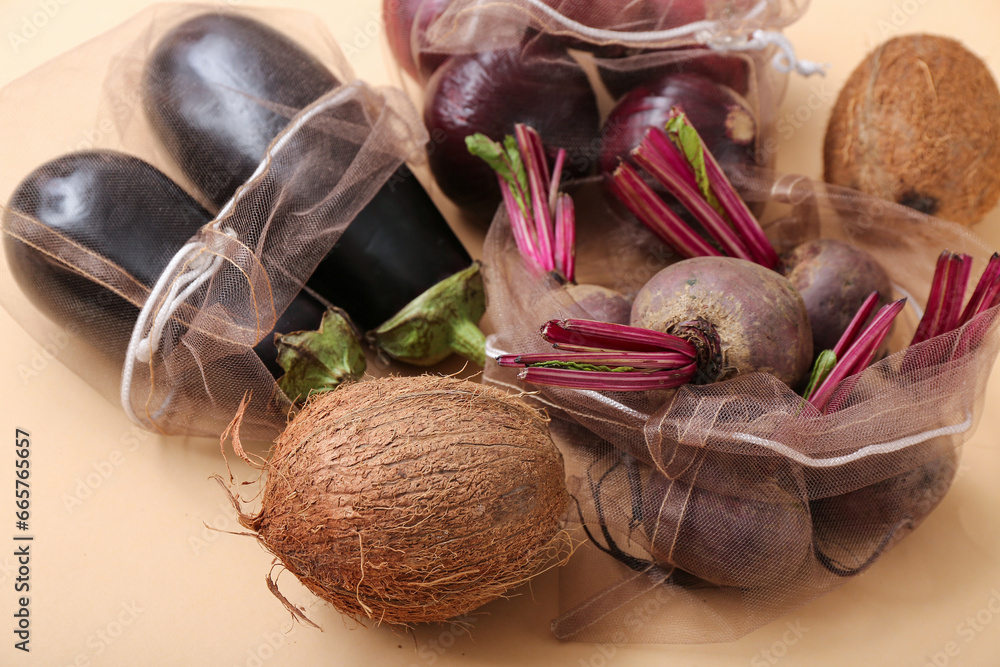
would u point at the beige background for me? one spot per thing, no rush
(130, 575)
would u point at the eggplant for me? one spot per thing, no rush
(218, 88)
(126, 211)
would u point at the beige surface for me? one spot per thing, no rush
(125, 572)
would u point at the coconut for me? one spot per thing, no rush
(412, 499)
(918, 122)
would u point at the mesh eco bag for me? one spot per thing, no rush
(175, 348)
(714, 509)
(561, 65)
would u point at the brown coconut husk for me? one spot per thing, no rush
(918, 123)
(412, 499)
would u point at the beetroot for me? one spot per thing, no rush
(727, 540)
(489, 93)
(742, 317)
(406, 23)
(730, 70)
(724, 119)
(854, 528)
(602, 303)
(834, 279)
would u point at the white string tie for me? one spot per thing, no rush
(784, 60)
(199, 266)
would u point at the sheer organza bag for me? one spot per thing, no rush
(711, 510)
(582, 74)
(170, 189)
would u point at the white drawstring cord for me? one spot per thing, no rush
(201, 266)
(784, 60)
(704, 31)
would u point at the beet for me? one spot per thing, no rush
(730, 70)
(751, 317)
(601, 303)
(727, 540)
(854, 528)
(127, 212)
(412, 499)
(406, 24)
(723, 118)
(489, 93)
(834, 279)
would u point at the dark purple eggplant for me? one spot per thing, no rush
(217, 120)
(123, 209)
(490, 92)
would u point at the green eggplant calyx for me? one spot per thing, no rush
(317, 361)
(437, 323)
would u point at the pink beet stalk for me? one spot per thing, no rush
(565, 249)
(987, 292)
(853, 330)
(677, 159)
(943, 312)
(858, 353)
(740, 215)
(646, 205)
(606, 357)
(653, 160)
(541, 217)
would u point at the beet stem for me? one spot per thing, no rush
(537, 172)
(859, 354)
(857, 323)
(609, 358)
(646, 205)
(519, 226)
(746, 226)
(566, 237)
(608, 380)
(987, 290)
(942, 296)
(960, 267)
(593, 334)
(653, 158)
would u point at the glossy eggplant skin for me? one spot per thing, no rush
(379, 265)
(127, 211)
(218, 88)
(396, 248)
